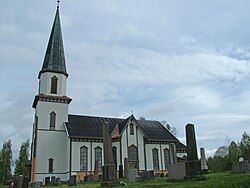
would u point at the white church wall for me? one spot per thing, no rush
(45, 83)
(75, 156)
(51, 144)
(117, 145)
(127, 139)
(163, 146)
(141, 150)
(124, 146)
(149, 155)
(43, 111)
(94, 145)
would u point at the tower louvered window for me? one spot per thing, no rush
(54, 80)
(131, 128)
(51, 165)
(52, 124)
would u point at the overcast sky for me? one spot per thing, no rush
(179, 61)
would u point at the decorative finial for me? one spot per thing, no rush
(58, 2)
(132, 112)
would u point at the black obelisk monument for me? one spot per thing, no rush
(192, 164)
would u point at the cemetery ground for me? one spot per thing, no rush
(221, 180)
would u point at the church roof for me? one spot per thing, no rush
(154, 130)
(54, 60)
(79, 126)
(88, 126)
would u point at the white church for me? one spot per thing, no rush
(65, 144)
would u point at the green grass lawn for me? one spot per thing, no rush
(216, 180)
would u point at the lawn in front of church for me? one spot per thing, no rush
(221, 180)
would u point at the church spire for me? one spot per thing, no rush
(54, 60)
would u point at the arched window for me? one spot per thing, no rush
(132, 153)
(155, 159)
(166, 157)
(114, 152)
(51, 168)
(52, 123)
(54, 80)
(84, 158)
(98, 156)
(131, 128)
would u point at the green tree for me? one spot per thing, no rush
(216, 164)
(20, 163)
(245, 146)
(171, 129)
(234, 152)
(221, 152)
(6, 162)
(1, 164)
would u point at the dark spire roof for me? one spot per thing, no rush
(54, 60)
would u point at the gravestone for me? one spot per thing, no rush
(109, 171)
(204, 168)
(53, 180)
(241, 167)
(58, 181)
(173, 156)
(151, 173)
(132, 175)
(47, 180)
(96, 170)
(88, 178)
(193, 165)
(125, 167)
(72, 180)
(120, 171)
(100, 177)
(21, 182)
(177, 171)
(146, 175)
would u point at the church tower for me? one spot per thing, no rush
(49, 144)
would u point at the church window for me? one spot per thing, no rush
(131, 128)
(155, 159)
(98, 156)
(84, 158)
(114, 152)
(52, 124)
(132, 153)
(54, 80)
(51, 161)
(166, 157)
(36, 122)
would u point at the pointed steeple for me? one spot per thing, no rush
(54, 60)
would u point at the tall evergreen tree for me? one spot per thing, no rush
(6, 162)
(245, 146)
(234, 152)
(20, 163)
